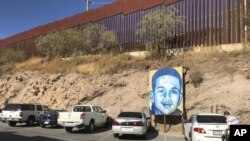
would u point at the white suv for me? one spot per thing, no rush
(22, 113)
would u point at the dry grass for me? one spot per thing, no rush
(109, 64)
(86, 68)
(31, 64)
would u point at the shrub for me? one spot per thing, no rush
(196, 78)
(8, 58)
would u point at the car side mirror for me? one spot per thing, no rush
(148, 118)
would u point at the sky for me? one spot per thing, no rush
(21, 15)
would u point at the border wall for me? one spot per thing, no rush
(206, 23)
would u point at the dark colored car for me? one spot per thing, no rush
(49, 118)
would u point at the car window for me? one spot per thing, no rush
(130, 114)
(211, 119)
(99, 109)
(12, 107)
(45, 108)
(28, 107)
(39, 107)
(82, 109)
(95, 109)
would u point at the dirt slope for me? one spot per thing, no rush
(125, 91)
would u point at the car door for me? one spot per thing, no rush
(102, 115)
(39, 111)
(96, 115)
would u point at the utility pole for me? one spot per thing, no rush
(87, 5)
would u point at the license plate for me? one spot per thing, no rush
(68, 124)
(127, 129)
(46, 122)
(217, 132)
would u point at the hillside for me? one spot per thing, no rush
(225, 85)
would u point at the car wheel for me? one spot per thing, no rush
(30, 121)
(91, 126)
(42, 125)
(12, 123)
(69, 129)
(116, 135)
(107, 123)
(144, 136)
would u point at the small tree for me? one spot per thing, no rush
(99, 38)
(158, 26)
(62, 43)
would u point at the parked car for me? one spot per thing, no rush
(49, 118)
(205, 127)
(22, 113)
(135, 123)
(83, 116)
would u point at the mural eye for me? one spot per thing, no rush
(174, 92)
(160, 90)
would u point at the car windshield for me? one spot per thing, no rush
(131, 114)
(211, 119)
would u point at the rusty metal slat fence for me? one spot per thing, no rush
(205, 23)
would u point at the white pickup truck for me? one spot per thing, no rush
(83, 116)
(22, 113)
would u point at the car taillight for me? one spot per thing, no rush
(21, 114)
(200, 130)
(115, 122)
(138, 123)
(82, 116)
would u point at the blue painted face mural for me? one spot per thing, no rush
(166, 92)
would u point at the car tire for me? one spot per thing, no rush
(30, 121)
(12, 123)
(116, 135)
(69, 129)
(42, 125)
(91, 126)
(107, 123)
(144, 136)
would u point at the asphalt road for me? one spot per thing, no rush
(23, 133)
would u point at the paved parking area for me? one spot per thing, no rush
(23, 133)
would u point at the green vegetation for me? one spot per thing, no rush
(93, 39)
(8, 58)
(159, 26)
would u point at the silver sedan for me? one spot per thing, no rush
(135, 123)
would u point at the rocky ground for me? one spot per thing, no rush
(124, 91)
(225, 86)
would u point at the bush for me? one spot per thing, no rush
(196, 78)
(8, 58)
(93, 39)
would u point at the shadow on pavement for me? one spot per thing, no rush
(97, 130)
(11, 136)
(152, 134)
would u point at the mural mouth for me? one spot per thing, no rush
(167, 105)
